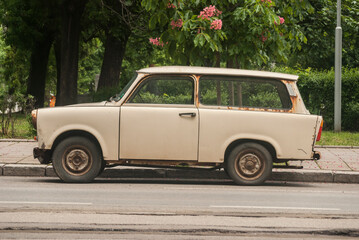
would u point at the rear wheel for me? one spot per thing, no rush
(249, 164)
(77, 159)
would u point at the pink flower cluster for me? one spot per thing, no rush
(266, 1)
(216, 24)
(281, 21)
(156, 41)
(178, 23)
(209, 12)
(263, 38)
(171, 5)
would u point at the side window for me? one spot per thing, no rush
(243, 92)
(165, 90)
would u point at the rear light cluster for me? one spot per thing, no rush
(320, 131)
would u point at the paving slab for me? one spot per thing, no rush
(4, 145)
(354, 166)
(327, 155)
(5, 159)
(347, 155)
(17, 140)
(28, 160)
(17, 149)
(330, 165)
(304, 164)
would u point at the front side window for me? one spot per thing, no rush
(243, 92)
(165, 90)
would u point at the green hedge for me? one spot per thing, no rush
(317, 90)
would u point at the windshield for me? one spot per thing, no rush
(118, 96)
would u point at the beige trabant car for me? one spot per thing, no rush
(240, 120)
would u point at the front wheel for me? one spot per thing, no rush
(77, 159)
(249, 164)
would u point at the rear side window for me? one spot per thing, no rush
(243, 92)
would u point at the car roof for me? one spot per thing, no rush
(216, 71)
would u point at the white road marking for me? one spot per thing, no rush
(273, 207)
(45, 203)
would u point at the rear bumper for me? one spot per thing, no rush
(43, 155)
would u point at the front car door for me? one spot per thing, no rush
(159, 121)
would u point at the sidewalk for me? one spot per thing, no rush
(338, 164)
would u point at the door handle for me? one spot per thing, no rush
(191, 114)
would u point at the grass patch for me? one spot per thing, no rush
(340, 139)
(22, 128)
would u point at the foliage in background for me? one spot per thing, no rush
(91, 54)
(317, 90)
(10, 107)
(319, 29)
(249, 33)
(13, 68)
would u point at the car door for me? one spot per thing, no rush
(159, 121)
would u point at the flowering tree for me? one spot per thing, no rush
(186, 31)
(242, 33)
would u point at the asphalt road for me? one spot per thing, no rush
(133, 209)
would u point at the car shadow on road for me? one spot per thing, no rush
(219, 182)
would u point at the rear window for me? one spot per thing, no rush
(243, 92)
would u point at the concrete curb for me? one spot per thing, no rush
(23, 170)
(336, 146)
(290, 175)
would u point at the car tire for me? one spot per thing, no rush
(103, 166)
(249, 164)
(77, 160)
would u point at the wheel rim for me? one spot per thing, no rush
(77, 161)
(249, 166)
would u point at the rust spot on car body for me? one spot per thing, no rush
(294, 98)
(256, 109)
(294, 103)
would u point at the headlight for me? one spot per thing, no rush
(34, 118)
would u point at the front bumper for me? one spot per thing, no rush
(43, 155)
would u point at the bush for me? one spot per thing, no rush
(317, 90)
(10, 106)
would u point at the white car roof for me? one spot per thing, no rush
(216, 71)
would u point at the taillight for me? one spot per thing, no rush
(320, 131)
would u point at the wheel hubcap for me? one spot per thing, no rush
(77, 160)
(250, 164)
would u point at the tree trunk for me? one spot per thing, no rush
(112, 61)
(71, 15)
(38, 69)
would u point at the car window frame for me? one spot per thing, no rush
(147, 78)
(237, 79)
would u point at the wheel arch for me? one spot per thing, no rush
(237, 142)
(73, 133)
